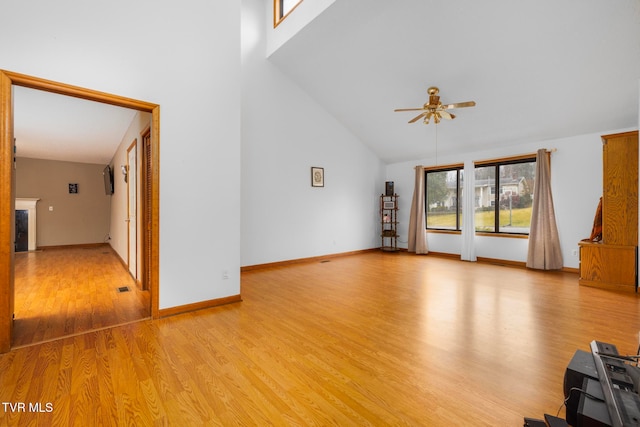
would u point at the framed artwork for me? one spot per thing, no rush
(73, 188)
(317, 177)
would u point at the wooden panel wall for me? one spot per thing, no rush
(620, 189)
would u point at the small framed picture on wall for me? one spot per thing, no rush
(317, 177)
(73, 188)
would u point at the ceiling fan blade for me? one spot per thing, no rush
(459, 105)
(416, 118)
(433, 109)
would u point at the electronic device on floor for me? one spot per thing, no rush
(601, 389)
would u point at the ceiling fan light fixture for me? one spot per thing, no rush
(434, 108)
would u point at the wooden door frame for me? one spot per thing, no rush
(133, 147)
(146, 207)
(7, 188)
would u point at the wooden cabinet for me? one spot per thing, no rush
(612, 262)
(608, 266)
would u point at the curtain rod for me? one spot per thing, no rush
(549, 150)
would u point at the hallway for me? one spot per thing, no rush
(67, 291)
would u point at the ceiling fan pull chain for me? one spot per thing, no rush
(436, 144)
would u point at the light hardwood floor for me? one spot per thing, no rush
(66, 291)
(371, 339)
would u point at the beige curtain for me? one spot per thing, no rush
(417, 221)
(544, 242)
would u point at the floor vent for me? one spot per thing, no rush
(123, 289)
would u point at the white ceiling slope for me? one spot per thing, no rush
(537, 70)
(57, 127)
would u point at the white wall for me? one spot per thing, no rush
(186, 58)
(305, 12)
(576, 180)
(64, 218)
(284, 133)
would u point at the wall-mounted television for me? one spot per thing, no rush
(107, 174)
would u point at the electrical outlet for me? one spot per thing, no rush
(574, 252)
(225, 275)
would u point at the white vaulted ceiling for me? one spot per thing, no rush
(537, 70)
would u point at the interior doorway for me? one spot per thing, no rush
(7, 187)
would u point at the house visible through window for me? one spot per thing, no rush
(282, 8)
(503, 196)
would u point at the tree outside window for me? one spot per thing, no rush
(504, 196)
(444, 198)
(502, 200)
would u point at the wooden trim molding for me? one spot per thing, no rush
(24, 80)
(303, 260)
(443, 167)
(7, 190)
(490, 162)
(172, 311)
(501, 262)
(153, 281)
(502, 234)
(77, 246)
(7, 214)
(277, 11)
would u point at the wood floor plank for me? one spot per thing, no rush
(369, 339)
(65, 291)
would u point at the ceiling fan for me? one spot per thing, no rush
(434, 108)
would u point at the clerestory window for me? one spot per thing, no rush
(282, 9)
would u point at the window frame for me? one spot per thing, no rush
(459, 168)
(495, 202)
(279, 14)
(524, 158)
